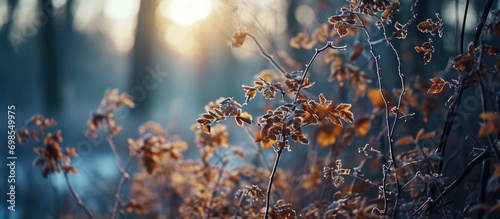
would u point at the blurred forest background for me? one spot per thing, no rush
(58, 57)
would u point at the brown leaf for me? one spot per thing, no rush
(427, 135)
(427, 48)
(419, 134)
(327, 135)
(377, 100)
(335, 120)
(302, 40)
(206, 129)
(491, 126)
(405, 140)
(343, 107)
(358, 49)
(437, 85)
(362, 126)
(71, 152)
(238, 39)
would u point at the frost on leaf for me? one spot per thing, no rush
(427, 49)
(437, 86)
(429, 26)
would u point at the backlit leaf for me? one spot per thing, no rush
(437, 85)
(405, 140)
(362, 126)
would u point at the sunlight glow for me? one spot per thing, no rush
(187, 12)
(120, 9)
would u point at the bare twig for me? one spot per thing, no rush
(387, 169)
(265, 54)
(463, 27)
(79, 202)
(119, 192)
(271, 179)
(125, 177)
(214, 191)
(117, 157)
(460, 178)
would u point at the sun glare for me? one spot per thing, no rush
(187, 12)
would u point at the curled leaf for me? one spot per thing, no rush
(437, 86)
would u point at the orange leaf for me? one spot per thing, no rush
(238, 39)
(343, 106)
(405, 140)
(377, 100)
(206, 129)
(71, 152)
(419, 134)
(358, 49)
(238, 120)
(266, 144)
(427, 135)
(437, 85)
(335, 120)
(327, 135)
(491, 126)
(362, 126)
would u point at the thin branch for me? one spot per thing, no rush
(463, 27)
(482, 22)
(272, 61)
(329, 44)
(398, 107)
(214, 192)
(271, 179)
(460, 178)
(258, 149)
(119, 191)
(79, 202)
(265, 54)
(452, 110)
(379, 79)
(235, 215)
(117, 158)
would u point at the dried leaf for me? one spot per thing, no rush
(405, 140)
(427, 48)
(238, 39)
(427, 135)
(491, 126)
(207, 128)
(437, 85)
(377, 100)
(362, 126)
(356, 52)
(327, 135)
(71, 152)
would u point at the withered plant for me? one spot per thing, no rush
(401, 169)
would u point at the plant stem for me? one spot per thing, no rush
(265, 54)
(485, 171)
(119, 192)
(452, 110)
(388, 127)
(125, 177)
(329, 44)
(79, 202)
(460, 178)
(214, 192)
(271, 179)
(117, 158)
(463, 27)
